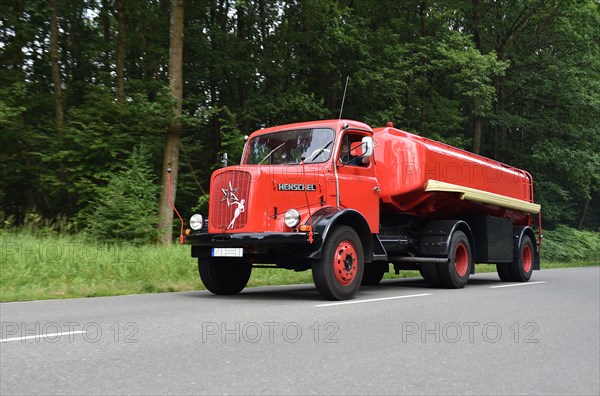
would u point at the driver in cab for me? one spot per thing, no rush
(351, 152)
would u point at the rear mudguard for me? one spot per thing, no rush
(435, 238)
(519, 233)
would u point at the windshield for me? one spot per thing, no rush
(290, 147)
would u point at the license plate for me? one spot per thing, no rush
(227, 252)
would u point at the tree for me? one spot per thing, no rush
(171, 154)
(122, 210)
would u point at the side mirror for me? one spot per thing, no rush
(224, 160)
(367, 146)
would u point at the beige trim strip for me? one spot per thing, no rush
(472, 194)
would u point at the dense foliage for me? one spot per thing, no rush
(518, 81)
(124, 209)
(564, 245)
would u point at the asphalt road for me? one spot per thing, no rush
(400, 337)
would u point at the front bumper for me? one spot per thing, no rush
(247, 239)
(263, 244)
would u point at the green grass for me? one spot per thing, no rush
(54, 266)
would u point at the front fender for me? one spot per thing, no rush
(326, 219)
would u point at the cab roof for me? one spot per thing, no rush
(313, 124)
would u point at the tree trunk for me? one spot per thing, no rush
(58, 107)
(76, 57)
(120, 51)
(18, 66)
(171, 154)
(213, 124)
(502, 129)
(241, 54)
(583, 214)
(105, 18)
(478, 119)
(105, 14)
(477, 131)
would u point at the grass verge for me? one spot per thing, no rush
(54, 266)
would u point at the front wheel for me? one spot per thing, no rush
(224, 276)
(338, 274)
(455, 273)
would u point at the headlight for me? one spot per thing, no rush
(292, 218)
(196, 222)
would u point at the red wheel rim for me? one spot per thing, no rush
(461, 260)
(527, 258)
(345, 263)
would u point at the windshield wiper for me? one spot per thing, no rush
(271, 152)
(319, 151)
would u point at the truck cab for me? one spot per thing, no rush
(294, 185)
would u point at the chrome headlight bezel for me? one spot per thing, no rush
(291, 218)
(196, 222)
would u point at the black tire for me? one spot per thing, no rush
(374, 273)
(455, 273)
(503, 272)
(224, 276)
(521, 268)
(431, 274)
(338, 274)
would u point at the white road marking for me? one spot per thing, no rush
(40, 336)
(371, 300)
(518, 284)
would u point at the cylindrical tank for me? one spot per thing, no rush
(428, 178)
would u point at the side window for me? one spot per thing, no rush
(351, 150)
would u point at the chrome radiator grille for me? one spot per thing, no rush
(229, 200)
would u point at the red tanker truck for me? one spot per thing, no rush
(346, 201)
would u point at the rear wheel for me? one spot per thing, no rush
(455, 273)
(338, 274)
(224, 276)
(521, 268)
(374, 273)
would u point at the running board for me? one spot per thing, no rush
(404, 259)
(384, 245)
